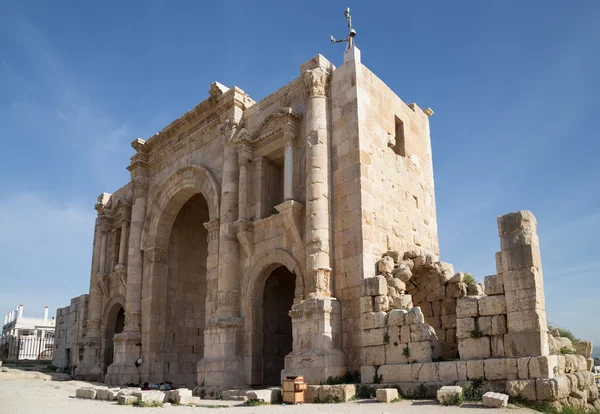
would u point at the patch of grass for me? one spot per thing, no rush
(254, 403)
(476, 333)
(397, 399)
(474, 392)
(219, 395)
(396, 343)
(421, 393)
(468, 279)
(406, 352)
(565, 351)
(212, 406)
(565, 333)
(365, 392)
(328, 400)
(347, 378)
(456, 399)
(139, 403)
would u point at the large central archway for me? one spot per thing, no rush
(183, 342)
(278, 298)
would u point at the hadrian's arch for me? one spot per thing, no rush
(178, 283)
(270, 289)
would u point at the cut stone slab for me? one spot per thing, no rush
(127, 399)
(495, 400)
(151, 396)
(85, 392)
(448, 392)
(386, 395)
(341, 392)
(271, 395)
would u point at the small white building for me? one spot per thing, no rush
(27, 338)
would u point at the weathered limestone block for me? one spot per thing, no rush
(414, 316)
(474, 289)
(448, 321)
(127, 399)
(561, 342)
(522, 389)
(583, 348)
(397, 373)
(448, 371)
(367, 373)
(520, 344)
(381, 303)
(526, 320)
(497, 346)
(448, 307)
(113, 394)
(189, 400)
(500, 369)
(396, 317)
(525, 299)
(372, 320)
(86, 392)
(311, 393)
(398, 284)
(495, 400)
(467, 307)
(395, 353)
(421, 332)
(341, 392)
(403, 302)
(457, 278)
(474, 348)
(101, 393)
(456, 290)
(484, 324)
(494, 285)
(373, 355)
(419, 351)
(464, 327)
(449, 392)
(522, 279)
(492, 305)
(374, 286)
(523, 367)
(366, 304)
(553, 344)
(499, 325)
(552, 389)
(151, 396)
(461, 370)
(385, 265)
(543, 366)
(386, 395)
(175, 396)
(403, 272)
(429, 372)
(571, 363)
(373, 337)
(590, 364)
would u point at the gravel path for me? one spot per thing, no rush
(29, 395)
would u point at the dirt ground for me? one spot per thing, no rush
(31, 392)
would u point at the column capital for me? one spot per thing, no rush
(315, 81)
(213, 229)
(138, 168)
(245, 153)
(289, 138)
(227, 130)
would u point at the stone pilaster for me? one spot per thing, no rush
(127, 349)
(288, 167)
(244, 159)
(523, 286)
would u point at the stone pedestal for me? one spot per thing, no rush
(317, 330)
(127, 350)
(89, 368)
(222, 363)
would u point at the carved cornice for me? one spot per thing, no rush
(316, 81)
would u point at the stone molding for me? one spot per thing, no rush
(291, 212)
(244, 231)
(213, 227)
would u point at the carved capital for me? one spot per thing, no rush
(228, 299)
(289, 138)
(245, 153)
(316, 81)
(213, 229)
(132, 322)
(227, 130)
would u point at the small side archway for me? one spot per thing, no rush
(274, 283)
(114, 321)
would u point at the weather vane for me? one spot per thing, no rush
(352, 33)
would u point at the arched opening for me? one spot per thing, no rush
(186, 288)
(114, 325)
(278, 297)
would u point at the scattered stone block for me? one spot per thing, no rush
(88, 393)
(395, 255)
(495, 400)
(127, 399)
(189, 400)
(492, 305)
(269, 395)
(467, 307)
(386, 395)
(151, 396)
(403, 273)
(101, 393)
(375, 286)
(396, 317)
(449, 392)
(522, 389)
(341, 392)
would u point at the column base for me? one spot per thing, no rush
(223, 363)
(316, 328)
(89, 369)
(123, 370)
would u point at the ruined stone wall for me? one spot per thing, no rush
(68, 331)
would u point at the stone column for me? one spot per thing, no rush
(88, 369)
(222, 362)
(127, 350)
(288, 168)
(244, 158)
(102, 270)
(523, 286)
(123, 244)
(316, 321)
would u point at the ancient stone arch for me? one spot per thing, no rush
(252, 297)
(172, 195)
(112, 325)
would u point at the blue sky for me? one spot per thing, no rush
(513, 84)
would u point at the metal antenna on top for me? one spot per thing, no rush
(350, 38)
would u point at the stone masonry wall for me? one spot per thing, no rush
(68, 332)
